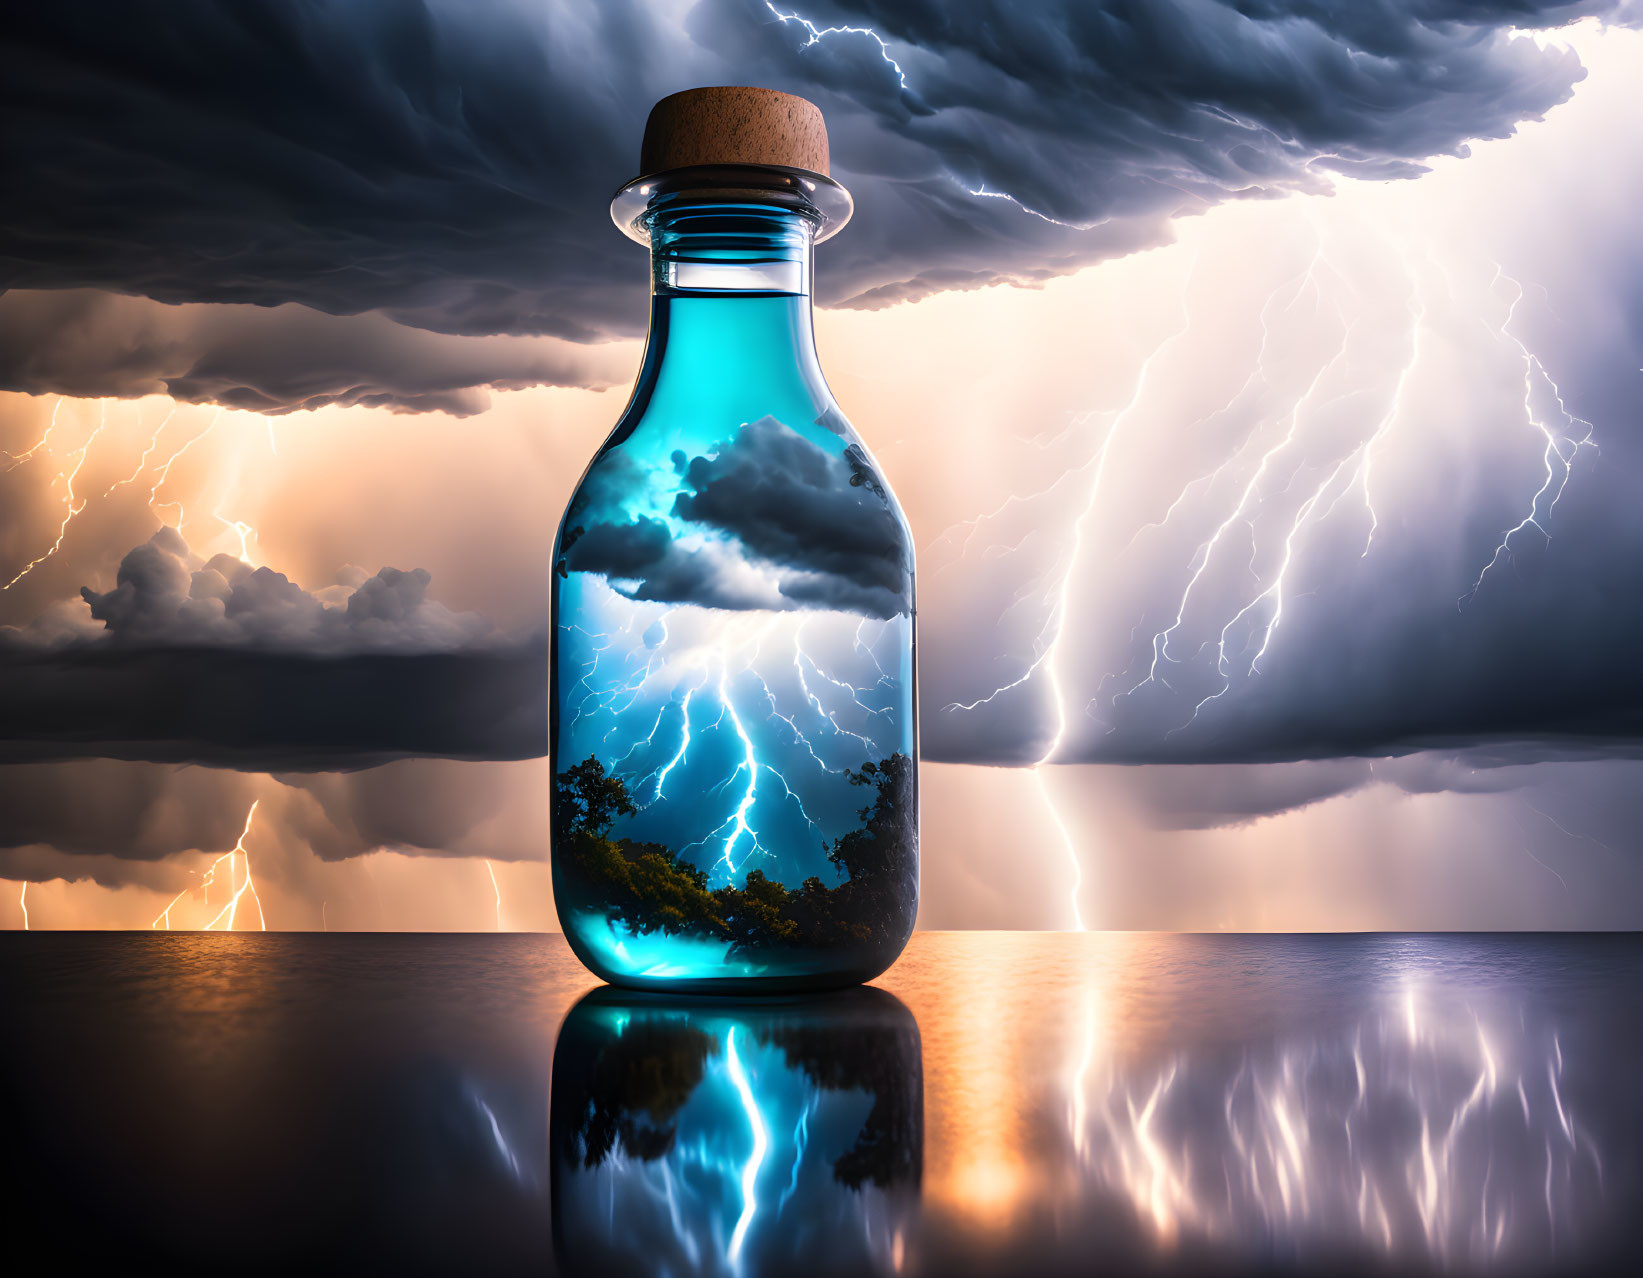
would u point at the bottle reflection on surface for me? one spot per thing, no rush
(1434, 1132)
(707, 1137)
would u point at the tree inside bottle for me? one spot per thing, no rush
(734, 727)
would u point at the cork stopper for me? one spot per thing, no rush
(733, 144)
(734, 124)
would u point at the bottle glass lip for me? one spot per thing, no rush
(814, 196)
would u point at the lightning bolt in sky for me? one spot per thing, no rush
(17, 459)
(1563, 444)
(815, 35)
(496, 888)
(164, 472)
(1252, 494)
(1311, 456)
(1054, 632)
(72, 505)
(818, 33)
(72, 471)
(227, 914)
(1282, 505)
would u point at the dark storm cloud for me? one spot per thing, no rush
(419, 806)
(141, 812)
(449, 166)
(1088, 125)
(445, 166)
(83, 342)
(1208, 796)
(642, 560)
(217, 662)
(794, 524)
(823, 517)
(1540, 665)
(257, 709)
(618, 550)
(1204, 796)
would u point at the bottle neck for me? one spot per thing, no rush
(729, 250)
(730, 301)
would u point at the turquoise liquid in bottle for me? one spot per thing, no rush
(733, 721)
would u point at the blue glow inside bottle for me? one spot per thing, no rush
(734, 721)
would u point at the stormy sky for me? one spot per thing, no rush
(1261, 381)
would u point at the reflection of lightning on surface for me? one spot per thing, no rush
(755, 1157)
(801, 1139)
(1298, 1156)
(229, 911)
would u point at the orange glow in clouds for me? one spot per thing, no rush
(229, 911)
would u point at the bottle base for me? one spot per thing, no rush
(659, 962)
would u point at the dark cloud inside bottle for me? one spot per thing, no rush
(772, 520)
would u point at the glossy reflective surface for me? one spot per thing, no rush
(760, 1138)
(1089, 1104)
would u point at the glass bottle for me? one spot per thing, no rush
(733, 727)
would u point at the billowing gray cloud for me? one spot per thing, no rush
(643, 561)
(449, 166)
(271, 359)
(217, 662)
(795, 525)
(1022, 142)
(163, 595)
(824, 517)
